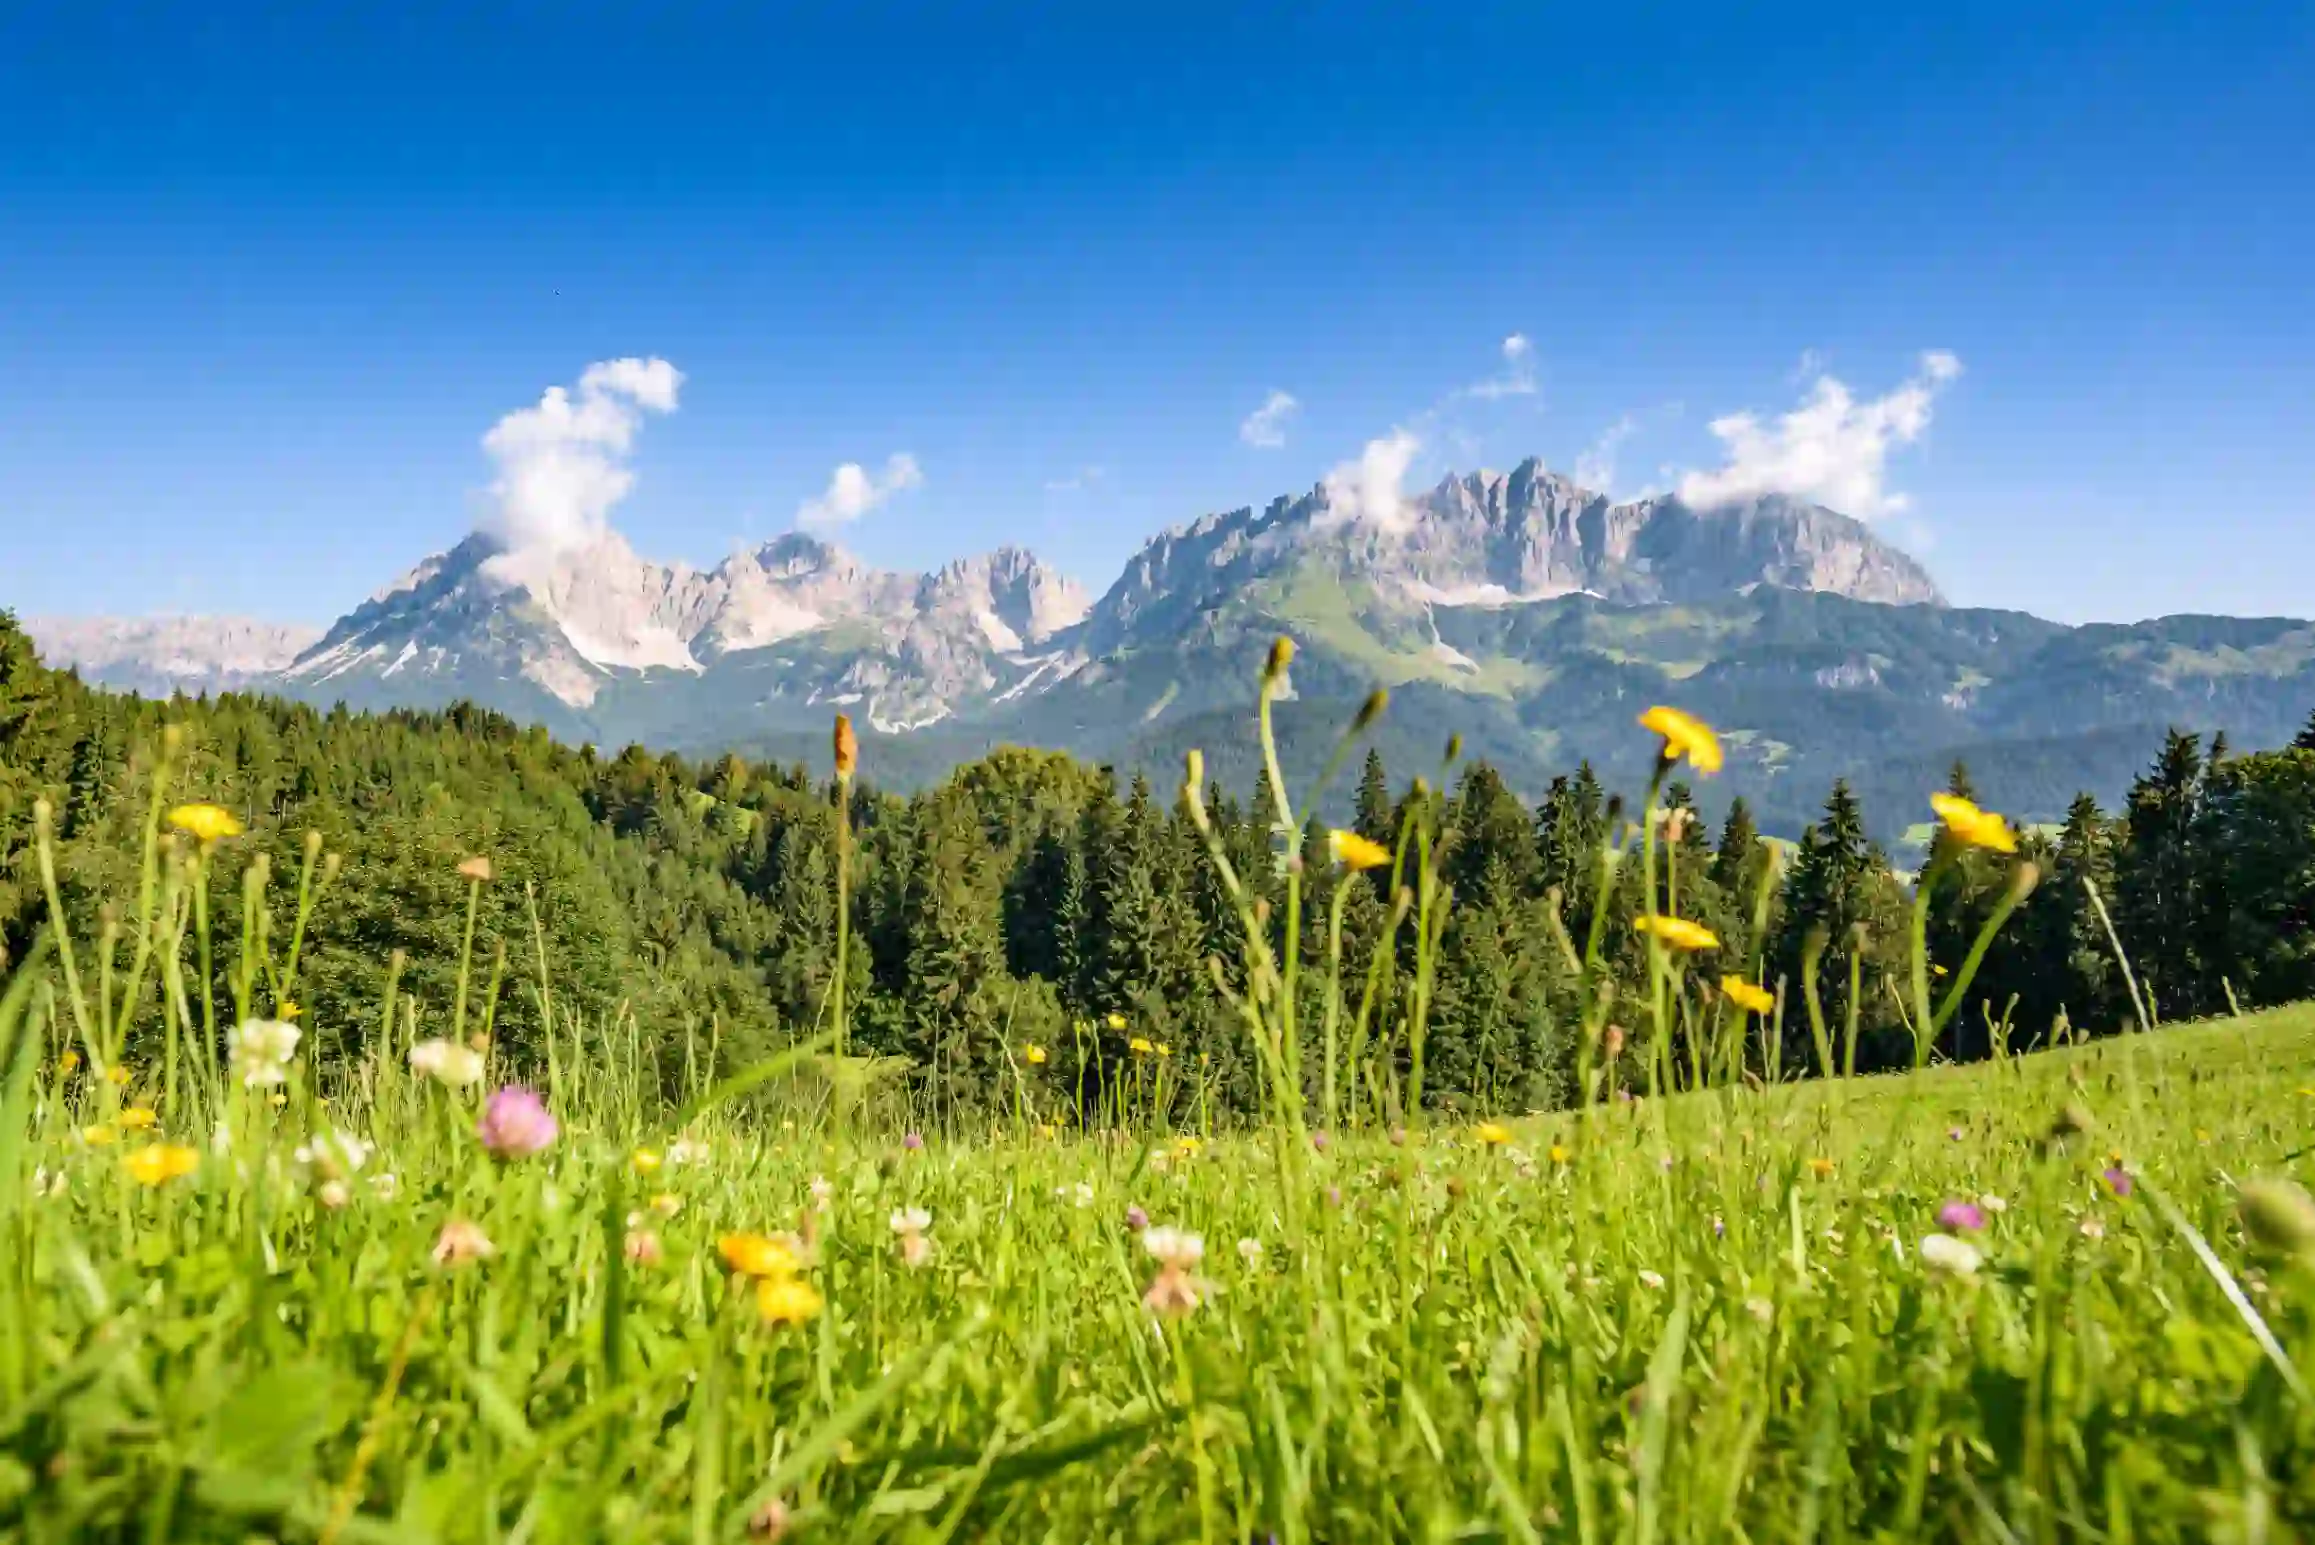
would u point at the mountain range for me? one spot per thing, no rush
(1531, 616)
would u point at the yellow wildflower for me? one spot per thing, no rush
(756, 1255)
(1137, 1046)
(1117, 1021)
(1747, 996)
(1187, 1146)
(1356, 853)
(98, 1136)
(1821, 1168)
(1685, 737)
(477, 869)
(71, 1060)
(160, 1163)
(1557, 1154)
(1163, 1050)
(1493, 1134)
(787, 1300)
(118, 1077)
(205, 823)
(1033, 1054)
(138, 1118)
(286, 1009)
(1678, 932)
(646, 1160)
(667, 1204)
(1971, 826)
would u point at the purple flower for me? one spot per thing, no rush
(515, 1122)
(1334, 1196)
(1319, 1140)
(913, 1141)
(2119, 1178)
(1136, 1219)
(1959, 1217)
(1954, 1133)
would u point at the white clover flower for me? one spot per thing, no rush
(332, 1194)
(388, 1185)
(1991, 1203)
(1079, 1195)
(1250, 1251)
(1173, 1247)
(334, 1155)
(911, 1220)
(447, 1062)
(1943, 1252)
(261, 1050)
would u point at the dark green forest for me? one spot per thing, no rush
(1029, 899)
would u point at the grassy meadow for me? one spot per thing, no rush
(1697, 1318)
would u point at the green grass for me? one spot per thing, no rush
(1683, 1331)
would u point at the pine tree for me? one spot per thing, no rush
(1371, 816)
(2306, 737)
(2157, 900)
(1840, 891)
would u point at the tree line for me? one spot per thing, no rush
(1031, 901)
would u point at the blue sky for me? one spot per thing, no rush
(268, 277)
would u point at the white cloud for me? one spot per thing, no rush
(1832, 448)
(1077, 482)
(853, 491)
(1595, 469)
(1518, 377)
(562, 465)
(1369, 491)
(1265, 427)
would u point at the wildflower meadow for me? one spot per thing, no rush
(265, 1279)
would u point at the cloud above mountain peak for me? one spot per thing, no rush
(1832, 448)
(853, 491)
(562, 464)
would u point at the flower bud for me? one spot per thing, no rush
(1281, 656)
(2280, 1217)
(847, 748)
(1372, 708)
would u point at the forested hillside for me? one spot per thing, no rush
(1029, 899)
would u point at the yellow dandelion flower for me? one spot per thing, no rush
(1686, 737)
(1973, 827)
(118, 1077)
(1678, 932)
(1187, 1146)
(205, 823)
(1117, 1021)
(98, 1136)
(646, 1160)
(286, 1009)
(1162, 1049)
(1493, 1134)
(1138, 1046)
(1821, 1168)
(787, 1300)
(139, 1118)
(1557, 1154)
(1753, 999)
(1047, 1129)
(756, 1255)
(161, 1163)
(1033, 1054)
(71, 1060)
(1356, 853)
